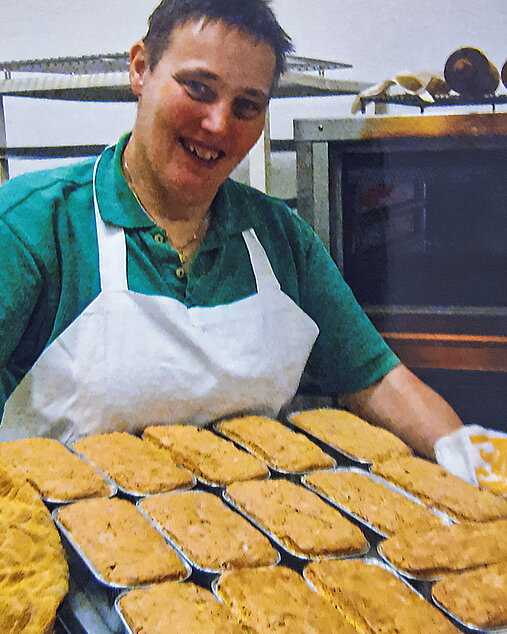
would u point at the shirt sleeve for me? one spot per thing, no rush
(20, 286)
(349, 354)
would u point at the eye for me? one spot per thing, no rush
(247, 109)
(197, 91)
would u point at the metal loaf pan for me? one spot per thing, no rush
(133, 495)
(388, 485)
(91, 567)
(177, 547)
(502, 629)
(276, 471)
(297, 554)
(325, 446)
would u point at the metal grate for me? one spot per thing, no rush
(119, 62)
(444, 100)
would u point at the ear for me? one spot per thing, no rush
(139, 66)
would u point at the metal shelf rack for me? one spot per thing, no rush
(104, 78)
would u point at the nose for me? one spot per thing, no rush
(216, 118)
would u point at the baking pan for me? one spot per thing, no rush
(299, 555)
(388, 485)
(276, 471)
(134, 495)
(89, 564)
(330, 449)
(179, 548)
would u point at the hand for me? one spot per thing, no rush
(477, 455)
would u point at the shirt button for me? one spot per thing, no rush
(158, 237)
(180, 272)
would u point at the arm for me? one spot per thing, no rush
(406, 406)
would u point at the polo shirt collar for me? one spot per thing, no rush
(230, 211)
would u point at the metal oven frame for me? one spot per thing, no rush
(454, 338)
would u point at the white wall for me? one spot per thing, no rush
(380, 38)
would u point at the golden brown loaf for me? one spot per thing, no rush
(121, 544)
(385, 510)
(33, 569)
(134, 465)
(54, 471)
(208, 456)
(477, 597)
(276, 600)
(274, 443)
(351, 434)
(179, 608)
(444, 549)
(375, 600)
(436, 487)
(208, 532)
(298, 518)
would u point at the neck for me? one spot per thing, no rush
(185, 231)
(162, 204)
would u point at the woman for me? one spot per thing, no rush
(148, 288)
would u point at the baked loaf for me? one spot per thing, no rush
(277, 600)
(121, 544)
(208, 532)
(179, 608)
(277, 445)
(33, 569)
(387, 511)
(54, 471)
(444, 549)
(436, 487)
(375, 600)
(352, 435)
(476, 597)
(208, 456)
(134, 465)
(297, 518)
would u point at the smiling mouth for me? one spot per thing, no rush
(207, 155)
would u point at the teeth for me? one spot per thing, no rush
(207, 155)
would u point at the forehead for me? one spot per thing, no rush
(222, 49)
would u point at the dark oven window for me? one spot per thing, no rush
(426, 228)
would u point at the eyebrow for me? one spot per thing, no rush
(200, 73)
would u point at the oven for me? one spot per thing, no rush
(414, 212)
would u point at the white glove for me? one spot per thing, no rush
(456, 453)
(475, 454)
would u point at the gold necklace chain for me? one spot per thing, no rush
(181, 248)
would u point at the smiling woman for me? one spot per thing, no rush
(148, 288)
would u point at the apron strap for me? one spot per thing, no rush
(265, 278)
(111, 246)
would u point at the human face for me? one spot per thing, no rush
(201, 109)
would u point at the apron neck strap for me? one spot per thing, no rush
(265, 279)
(111, 246)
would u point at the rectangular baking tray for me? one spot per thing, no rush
(322, 443)
(299, 555)
(135, 495)
(502, 629)
(177, 547)
(89, 564)
(375, 561)
(273, 468)
(388, 485)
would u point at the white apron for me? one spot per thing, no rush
(132, 360)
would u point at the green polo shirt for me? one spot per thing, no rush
(50, 274)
